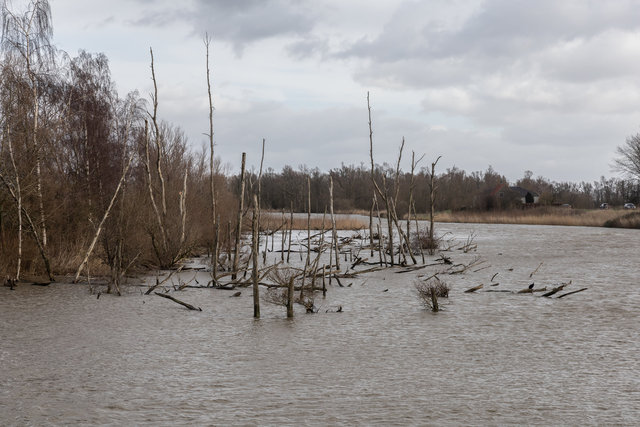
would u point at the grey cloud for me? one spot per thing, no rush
(238, 22)
(493, 28)
(307, 47)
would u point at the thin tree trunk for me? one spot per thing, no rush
(216, 247)
(371, 226)
(32, 227)
(104, 218)
(147, 165)
(254, 254)
(214, 223)
(432, 197)
(236, 252)
(283, 236)
(307, 263)
(19, 206)
(415, 214)
(333, 225)
(36, 146)
(183, 210)
(158, 139)
(290, 296)
(290, 232)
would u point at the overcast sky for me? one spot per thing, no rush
(548, 86)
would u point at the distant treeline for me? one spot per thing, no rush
(456, 189)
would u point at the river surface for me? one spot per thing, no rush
(488, 358)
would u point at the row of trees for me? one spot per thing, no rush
(457, 189)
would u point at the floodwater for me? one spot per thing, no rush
(489, 358)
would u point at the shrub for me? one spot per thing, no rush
(430, 290)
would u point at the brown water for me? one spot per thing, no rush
(67, 357)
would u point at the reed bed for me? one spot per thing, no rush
(274, 221)
(547, 216)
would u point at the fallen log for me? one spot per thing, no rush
(531, 290)
(189, 306)
(555, 290)
(475, 288)
(573, 292)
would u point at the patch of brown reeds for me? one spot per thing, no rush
(628, 220)
(274, 221)
(536, 216)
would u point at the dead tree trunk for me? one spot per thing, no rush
(147, 164)
(333, 226)
(432, 199)
(255, 241)
(214, 224)
(236, 251)
(371, 226)
(183, 209)
(290, 296)
(158, 139)
(290, 232)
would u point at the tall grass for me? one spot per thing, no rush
(542, 216)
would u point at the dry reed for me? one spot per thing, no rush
(273, 221)
(536, 216)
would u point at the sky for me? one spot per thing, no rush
(548, 86)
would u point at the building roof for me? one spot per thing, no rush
(523, 191)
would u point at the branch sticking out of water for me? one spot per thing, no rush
(536, 270)
(189, 306)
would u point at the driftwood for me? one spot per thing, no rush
(475, 288)
(189, 306)
(573, 292)
(556, 289)
(531, 290)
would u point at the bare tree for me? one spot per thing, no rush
(236, 251)
(214, 256)
(628, 161)
(432, 201)
(29, 35)
(255, 242)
